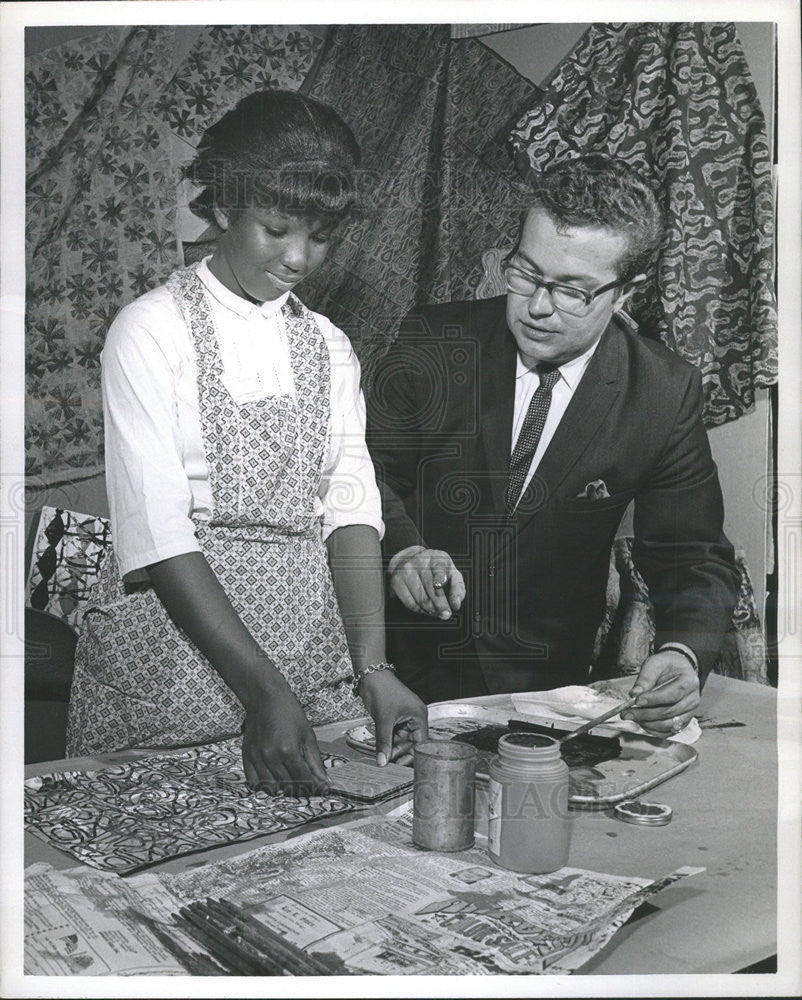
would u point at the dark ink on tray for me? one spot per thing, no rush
(582, 751)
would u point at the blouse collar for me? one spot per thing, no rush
(233, 301)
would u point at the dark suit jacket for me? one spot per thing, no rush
(439, 429)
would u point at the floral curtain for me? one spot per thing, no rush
(432, 115)
(678, 101)
(110, 118)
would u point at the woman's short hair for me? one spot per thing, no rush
(597, 190)
(277, 149)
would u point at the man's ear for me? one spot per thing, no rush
(220, 217)
(627, 289)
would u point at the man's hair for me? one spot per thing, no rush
(277, 149)
(597, 190)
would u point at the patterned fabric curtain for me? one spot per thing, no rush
(432, 116)
(475, 30)
(677, 100)
(110, 119)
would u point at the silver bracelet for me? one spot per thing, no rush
(372, 669)
(673, 647)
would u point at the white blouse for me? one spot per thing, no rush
(156, 473)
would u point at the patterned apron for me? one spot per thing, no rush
(138, 679)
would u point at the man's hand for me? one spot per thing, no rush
(668, 710)
(400, 717)
(426, 581)
(279, 748)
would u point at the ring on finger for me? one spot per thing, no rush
(439, 586)
(677, 724)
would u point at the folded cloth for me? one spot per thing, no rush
(578, 703)
(597, 490)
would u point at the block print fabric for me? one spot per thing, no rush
(127, 816)
(626, 634)
(677, 101)
(65, 562)
(110, 120)
(432, 116)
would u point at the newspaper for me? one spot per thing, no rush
(363, 892)
(82, 922)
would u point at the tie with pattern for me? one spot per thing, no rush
(526, 445)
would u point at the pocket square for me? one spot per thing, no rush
(597, 490)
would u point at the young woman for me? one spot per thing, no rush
(244, 507)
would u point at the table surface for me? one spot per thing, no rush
(725, 808)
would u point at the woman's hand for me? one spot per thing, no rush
(426, 581)
(400, 717)
(279, 748)
(667, 711)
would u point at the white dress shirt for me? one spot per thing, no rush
(526, 382)
(156, 472)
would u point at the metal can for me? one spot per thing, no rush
(443, 795)
(529, 823)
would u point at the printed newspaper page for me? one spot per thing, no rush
(364, 892)
(78, 922)
(361, 891)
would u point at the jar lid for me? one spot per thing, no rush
(528, 746)
(643, 813)
(532, 741)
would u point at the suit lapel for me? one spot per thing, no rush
(498, 403)
(585, 415)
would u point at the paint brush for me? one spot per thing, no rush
(195, 962)
(290, 958)
(223, 949)
(622, 707)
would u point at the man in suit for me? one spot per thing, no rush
(511, 434)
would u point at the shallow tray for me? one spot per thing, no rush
(645, 761)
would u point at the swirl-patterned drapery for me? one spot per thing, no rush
(678, 101)
(432, 115)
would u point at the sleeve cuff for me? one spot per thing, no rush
(328, 526)
(680, 647)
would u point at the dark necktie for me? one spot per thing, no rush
(526, 445)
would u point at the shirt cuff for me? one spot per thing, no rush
(680, 647)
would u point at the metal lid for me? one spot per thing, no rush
(529, 747)
(643, 813)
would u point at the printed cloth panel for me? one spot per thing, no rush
(626, 634)
(432, 115)
(110, 119)
(126, 816)
(67, 553)
(677, 101)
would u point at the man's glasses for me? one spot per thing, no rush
(566, 298)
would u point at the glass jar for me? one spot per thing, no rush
(529, 824)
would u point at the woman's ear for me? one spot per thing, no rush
(220, 217)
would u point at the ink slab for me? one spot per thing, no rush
(642, 763)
